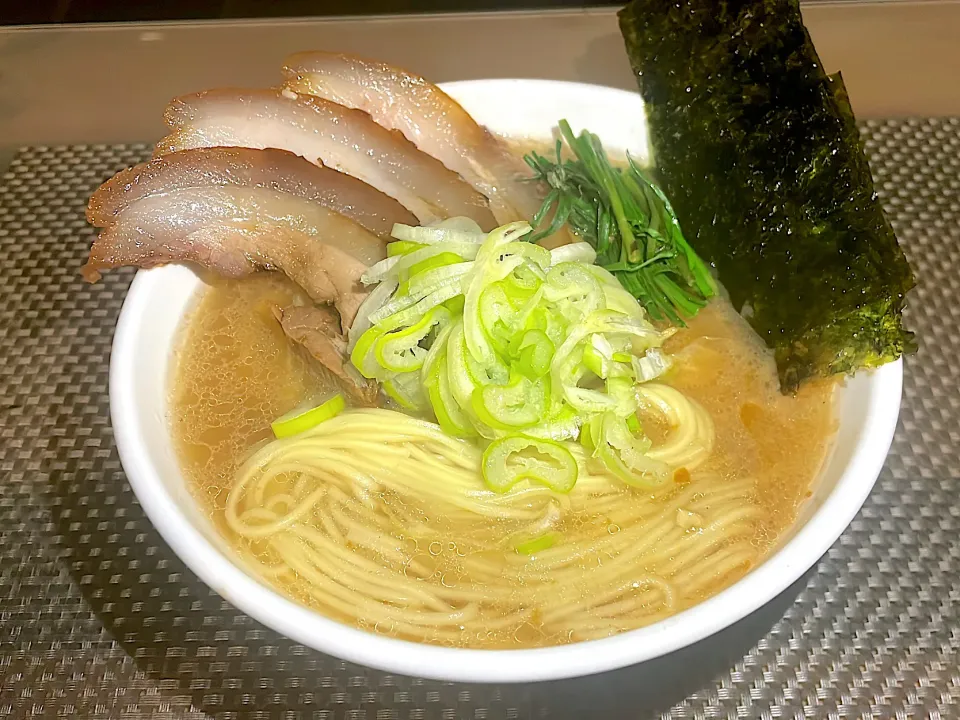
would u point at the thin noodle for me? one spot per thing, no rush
(383, 520)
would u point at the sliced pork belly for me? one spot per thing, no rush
(339, 137)
(236, 211)
(317, 330)
(276, 170)
(429, 118)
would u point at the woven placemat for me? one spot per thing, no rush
(98, 618)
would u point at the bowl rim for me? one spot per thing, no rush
(781, 568)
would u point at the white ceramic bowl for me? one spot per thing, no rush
(140, 366)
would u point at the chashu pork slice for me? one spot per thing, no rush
(317, 330)
(236, 211)
(277, 170)
(321, 131)
(431, 120)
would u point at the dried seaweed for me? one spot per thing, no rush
(760, 154)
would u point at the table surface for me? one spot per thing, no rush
(98, 619)
(109, 83)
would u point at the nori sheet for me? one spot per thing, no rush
(759, 152)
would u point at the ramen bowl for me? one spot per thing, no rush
(141, 366)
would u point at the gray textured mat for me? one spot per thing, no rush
(98, 619)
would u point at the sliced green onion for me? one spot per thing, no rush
(478, 345)
(570, 279)
(497, 316)
(524, 315)
(450, 230)
(525, 279)
(615, 296)
(536, 254)
(413, 314)
(561, 425)
(590, 434)
(494, 261)
(295, 422)
(495, 372)
(400, 351)
(454, 305)
(574, 290)
(402, 247)
(588, 400)
(407, 309)
(363, 357)
(424, 282)
(436, 381)
(534, 352)
(517, 405)
(393, 266)
(405, 389)
(598, 355)
(603, 321)
(538, 544)
(623, 390)
(625, 455)
(579, 252)
(520, 345)
(373, 302)
(445, 408)
(436, 355)
(515, 458)
(652, 365)
(541, 318)
(566, 376)
(462, 384)
(435, 261)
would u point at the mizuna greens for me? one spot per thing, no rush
(628, 221)
(514, 343)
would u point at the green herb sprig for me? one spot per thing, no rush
(628, 220)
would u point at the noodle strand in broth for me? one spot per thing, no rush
(382, 519)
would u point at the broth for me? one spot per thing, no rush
(236, 372)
